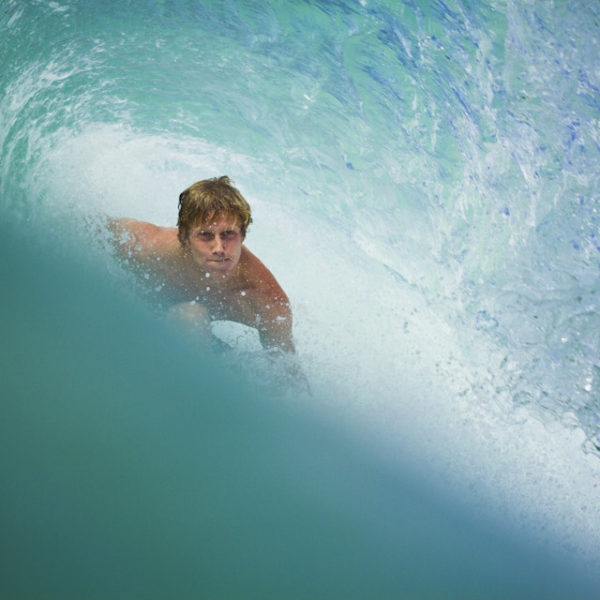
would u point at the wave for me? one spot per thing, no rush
(424, 186)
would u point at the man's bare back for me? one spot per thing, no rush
(208, 274)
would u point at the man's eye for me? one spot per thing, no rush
(229, 233)
(203, 234)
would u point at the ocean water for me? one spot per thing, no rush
(425, 184)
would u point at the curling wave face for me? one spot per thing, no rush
(424, 185)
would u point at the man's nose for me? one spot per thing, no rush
(218, 247)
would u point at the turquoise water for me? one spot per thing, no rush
(424, 180)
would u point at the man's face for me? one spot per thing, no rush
(216, 244)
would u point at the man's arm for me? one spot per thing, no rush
(133, 239)
(275, 324)
(275, 332)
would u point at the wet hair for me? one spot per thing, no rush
(211, 198)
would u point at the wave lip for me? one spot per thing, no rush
(132, 465)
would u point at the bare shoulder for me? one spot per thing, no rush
(261, 281)
(143, 239)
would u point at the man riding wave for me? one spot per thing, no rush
(203, 268)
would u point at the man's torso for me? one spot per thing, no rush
(171, 280)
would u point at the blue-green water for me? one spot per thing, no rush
(424, 178)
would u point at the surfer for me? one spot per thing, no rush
(202, 268)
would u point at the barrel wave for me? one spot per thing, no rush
(424, 184)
